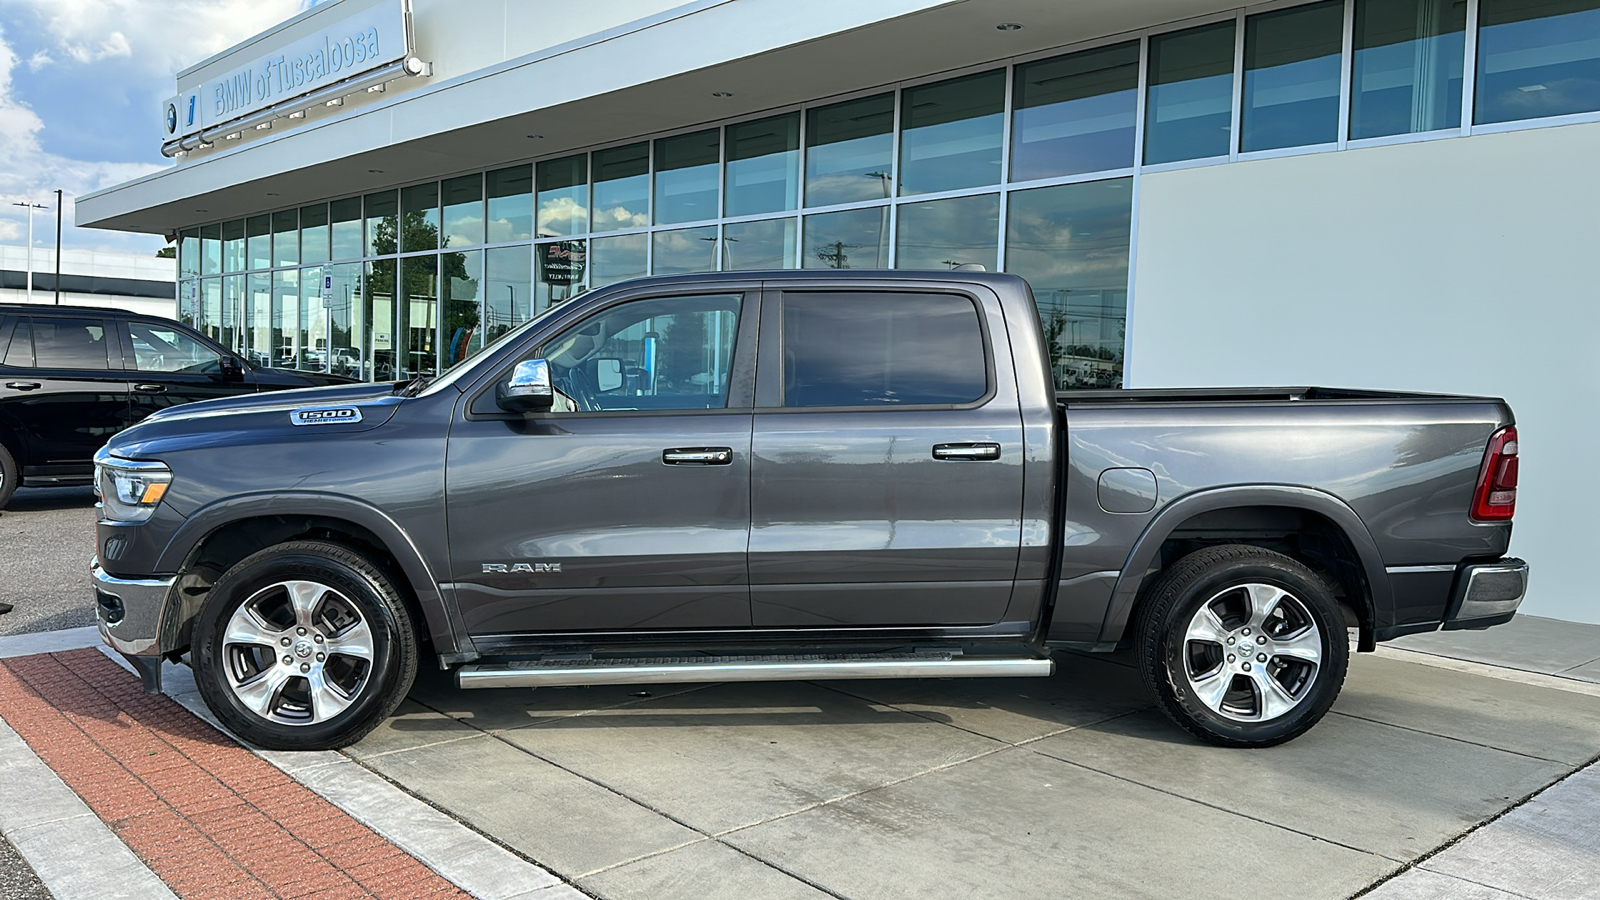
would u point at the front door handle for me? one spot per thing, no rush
(698, 456)
(23, 385)
(150, 388)
(966, 451)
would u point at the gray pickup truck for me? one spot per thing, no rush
(793, 475)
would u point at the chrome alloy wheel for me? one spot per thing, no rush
(297, 653)
(1251, 653)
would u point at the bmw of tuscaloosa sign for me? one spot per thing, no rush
(321, 48)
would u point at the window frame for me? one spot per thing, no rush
(478, 400)
(769, 374)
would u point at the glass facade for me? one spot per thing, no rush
(1029, 167)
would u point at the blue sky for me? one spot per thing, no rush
(81, 84)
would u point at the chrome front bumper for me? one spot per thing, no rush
(1488, 594)
(131, 613)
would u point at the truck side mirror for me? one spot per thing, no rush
(607, 374)
(528, 389)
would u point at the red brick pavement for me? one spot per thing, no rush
(209, 817)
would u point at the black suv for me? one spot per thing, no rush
(72, 376)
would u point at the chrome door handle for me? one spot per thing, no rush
(150, 388)
(698, 456)
(966, 451)
(23, 385)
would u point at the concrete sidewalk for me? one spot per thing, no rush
(1437, 774)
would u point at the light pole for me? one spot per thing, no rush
(30, 207)
(58, 245)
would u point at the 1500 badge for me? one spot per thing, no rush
(531, 568)
(335, 415)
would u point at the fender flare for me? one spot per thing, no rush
(1133, 576)
(442, 626)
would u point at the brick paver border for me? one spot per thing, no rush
(208, 816)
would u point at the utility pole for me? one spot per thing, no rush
(58, 246)
(30, 207)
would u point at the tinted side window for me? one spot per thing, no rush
(70, 344)
(880, 350)
(163, 348)
(20, 354)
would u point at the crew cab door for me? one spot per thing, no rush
(62, 387)
(887, 464)
(629, 508)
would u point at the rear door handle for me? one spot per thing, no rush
(150, 388)
(23, 385)
(698, 456)
(966, 451)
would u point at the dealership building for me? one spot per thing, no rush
(1397, 194)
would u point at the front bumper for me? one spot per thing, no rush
(132, 613)
(1487, 594)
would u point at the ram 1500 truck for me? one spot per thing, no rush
(793, 475)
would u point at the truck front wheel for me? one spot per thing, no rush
(1242, 646)
(304, 646)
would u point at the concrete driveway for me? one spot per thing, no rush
(1066, 787)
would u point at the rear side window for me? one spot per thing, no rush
(20, 353)
(69, 344)
(881, 350)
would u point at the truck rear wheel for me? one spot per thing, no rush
(304, 646)
(1242, 646)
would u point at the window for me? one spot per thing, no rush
(763, 170)
(664, 353)
(943, 234)
(767, 244)
(686, 177)
(881, 350)
(286, 238)
(189, 253)
(617, 258)
(160, 348)
(383, 213)
(1189, 108)
(563, 200)
(463, 211)
(210, 249)
(1537, 58)
(1071, 243)
(507, 291)
(685, 250)
(950, 134)
(1075, 113)
(20, 353)
(69, 344)
(258, 244)
(419, 217)
(459, 278)
(314, 233)
(850, 151)
(562, 268)
(1291, 77)
(1408, 66)
(621, 188)
(347, 228)
(852, 239)
(510, 193)
(233, 246)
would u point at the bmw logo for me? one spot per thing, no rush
(172, 118)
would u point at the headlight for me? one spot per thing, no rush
(129, 490)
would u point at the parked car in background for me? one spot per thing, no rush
(71, 377)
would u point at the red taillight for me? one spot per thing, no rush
(1496, 497)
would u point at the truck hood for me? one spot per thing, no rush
(321, 410)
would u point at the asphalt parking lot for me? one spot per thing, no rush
(1070, 786)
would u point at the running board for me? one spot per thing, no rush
(807, 667)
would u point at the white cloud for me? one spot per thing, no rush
(159, 36)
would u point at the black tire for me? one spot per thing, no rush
(1201, 611)
(9, 476)
(299, 689)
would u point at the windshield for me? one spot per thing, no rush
(454, 372)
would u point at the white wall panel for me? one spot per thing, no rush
(1466, 265)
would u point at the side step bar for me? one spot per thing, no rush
(812, 667)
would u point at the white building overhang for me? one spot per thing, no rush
(651, 75)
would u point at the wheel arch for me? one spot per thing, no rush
(1259, 514)
(219, 535)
